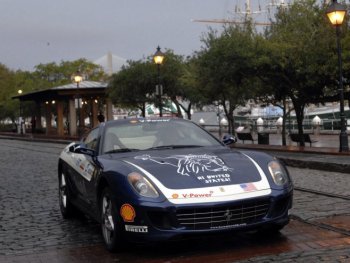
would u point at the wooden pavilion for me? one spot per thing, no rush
(70, 109)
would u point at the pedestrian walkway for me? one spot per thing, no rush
(326, 142)
(319, 158)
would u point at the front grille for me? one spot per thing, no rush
(223, 217)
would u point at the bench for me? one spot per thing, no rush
(245, 136)
(296, 138)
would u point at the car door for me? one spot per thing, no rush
(85, 167)
(89, 167)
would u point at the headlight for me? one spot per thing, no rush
(278, 173)
(141, 185)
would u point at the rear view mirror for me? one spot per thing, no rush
(80, 148)
(229, 139)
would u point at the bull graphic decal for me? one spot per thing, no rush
(190, 164)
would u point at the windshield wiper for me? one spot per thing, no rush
(122, 150)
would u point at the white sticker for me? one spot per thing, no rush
(136, 229)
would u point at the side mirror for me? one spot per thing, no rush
(229, 139)
(80, 148)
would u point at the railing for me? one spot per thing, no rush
(269, 126)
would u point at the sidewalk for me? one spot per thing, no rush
(318, 158)
(323, 155)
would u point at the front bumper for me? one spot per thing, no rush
(168, 221)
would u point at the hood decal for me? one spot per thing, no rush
(193, 165)
(206, 168)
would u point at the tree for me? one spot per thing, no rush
(59, 74)
(301, 58)
(190, 94)
(225, 73)
(175, 86)
(133, 85)
(8, 107)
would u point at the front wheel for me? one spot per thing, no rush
(109, 224)
(271, 230)
(66, 206)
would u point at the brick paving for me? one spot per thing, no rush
(32, 229)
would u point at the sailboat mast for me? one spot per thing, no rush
(248, 9)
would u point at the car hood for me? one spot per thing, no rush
(200, 172)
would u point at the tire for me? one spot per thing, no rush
(110, 227)
(66, 207)
(272, 230)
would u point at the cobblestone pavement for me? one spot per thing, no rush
(29, 211)
(32, 229)
(310, 206)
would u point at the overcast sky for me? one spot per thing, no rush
(43, 31)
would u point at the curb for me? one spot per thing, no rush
(316, 165)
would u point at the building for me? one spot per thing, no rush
(70, 109)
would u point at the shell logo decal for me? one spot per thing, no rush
(127, 212)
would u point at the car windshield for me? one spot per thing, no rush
(142, 134)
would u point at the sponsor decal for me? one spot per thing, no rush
(136, 229)
(77, 162)
(248, 187)
(193, 195)
(86, 168)
(127, 212)
(209, 169)
(197, 195)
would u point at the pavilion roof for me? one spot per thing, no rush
(69, 90)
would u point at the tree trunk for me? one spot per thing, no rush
(299, 113)
(178, 108)
(284, 141)
(143, 110)
(230, 118)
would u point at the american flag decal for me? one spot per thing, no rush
(248, 187)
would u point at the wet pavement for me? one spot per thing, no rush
(32, 229)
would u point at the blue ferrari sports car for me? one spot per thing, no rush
(165, 178)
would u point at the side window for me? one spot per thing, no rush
(91, 139)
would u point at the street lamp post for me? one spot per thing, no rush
(20, 124)
(158, 59)
(336, 13)
(77, 79)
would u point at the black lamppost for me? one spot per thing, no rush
(158, 59)
(77, 79)
(20, 122)
(336, 13)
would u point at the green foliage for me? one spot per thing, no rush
(133, 85)
(45, 76)
(7, 91)
(54, 74)
(299, 57)
(225, 68)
